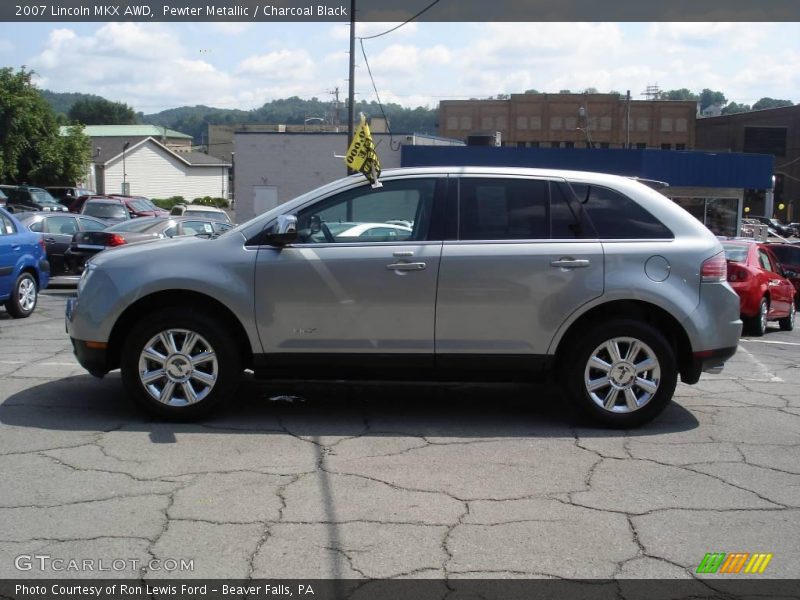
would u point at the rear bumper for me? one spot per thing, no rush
(706, 361)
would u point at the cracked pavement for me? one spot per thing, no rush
(323, 480)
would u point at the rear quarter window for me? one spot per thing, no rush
(616, 216)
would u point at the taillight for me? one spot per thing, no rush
(115, 239)
(737, 273)
(714, 269)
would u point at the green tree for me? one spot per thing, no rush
(710, 97)
(733, 108)
(681, 94)
(99, 111)
(771, 103)
(31, 147)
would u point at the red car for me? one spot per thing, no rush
(789, 258)
(764, 293)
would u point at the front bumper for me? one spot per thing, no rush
(94, 360)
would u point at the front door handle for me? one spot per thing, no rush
(50, 240)
(417, 266)
(570, 263)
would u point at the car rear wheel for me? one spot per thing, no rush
(180, 365)
(787, 323)
(620, 374)
(24, 296)
(757, 325)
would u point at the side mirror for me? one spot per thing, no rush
(285, 231)
(791, 274)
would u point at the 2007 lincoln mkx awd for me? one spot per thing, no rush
(463, 274)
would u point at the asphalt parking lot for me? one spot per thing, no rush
(333, 481)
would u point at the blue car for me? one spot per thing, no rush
(24, 269)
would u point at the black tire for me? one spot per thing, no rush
(787, 323)
(757, 326)
(625, 336)
(212, 381)
(24, 297)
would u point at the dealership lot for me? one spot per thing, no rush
(326, 480)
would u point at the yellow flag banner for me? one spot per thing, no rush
(361, 155)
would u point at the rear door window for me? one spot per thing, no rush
(615, 216)
(503, 209)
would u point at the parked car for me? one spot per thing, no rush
(26, 198)
(139, 206)
(110, 210)
(795, 229)
(764, 293)
(508, 274)
(775, 225)
(57, 229)
(376, 231)
(66, 195)
(198, 210)
(86, 244)
(788, 256)
(24, 269)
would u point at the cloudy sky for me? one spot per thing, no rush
(153, 66)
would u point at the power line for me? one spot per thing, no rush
(380, 104)
(372, 37)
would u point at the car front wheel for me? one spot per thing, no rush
(620, 374)
(24, 296)
(180, 365)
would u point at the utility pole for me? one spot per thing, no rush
(351, 109)
(335, 94)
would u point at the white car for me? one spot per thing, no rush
(370, 230)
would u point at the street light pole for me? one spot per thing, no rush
(124, 172)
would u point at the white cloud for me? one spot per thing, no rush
(281, 64)
(369, 28)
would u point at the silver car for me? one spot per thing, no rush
(503, 274)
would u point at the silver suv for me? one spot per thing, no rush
(500, 274)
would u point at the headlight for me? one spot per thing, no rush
(87, 272)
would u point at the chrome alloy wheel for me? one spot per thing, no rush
(763, 309)
(178, 367)
(26, 294)
(622, 375)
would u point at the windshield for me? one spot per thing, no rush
(43, 197)
(104, 210)
(137, 225)
(140, 205)
(735, 253)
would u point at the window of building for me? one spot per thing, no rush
(520, 144)
(642, 124)
(522, 122)
(680, 146)
(666, 146)
(605, 145)
(536, 123)
(666, 124)
(605, 123)
(681, 124)
(615, 216)
(556, 123)
(487, 123)
(555, 144)
(570, 123)
(466, 122)
(503, 209)
(452, 122)
(534, 144)
(641, 146)
(569, 144)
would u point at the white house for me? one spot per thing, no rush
(151, 169)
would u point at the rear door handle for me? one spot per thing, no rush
(570, 263)
(417, 266)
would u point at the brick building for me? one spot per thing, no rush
(774, 131)
(573, 121)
